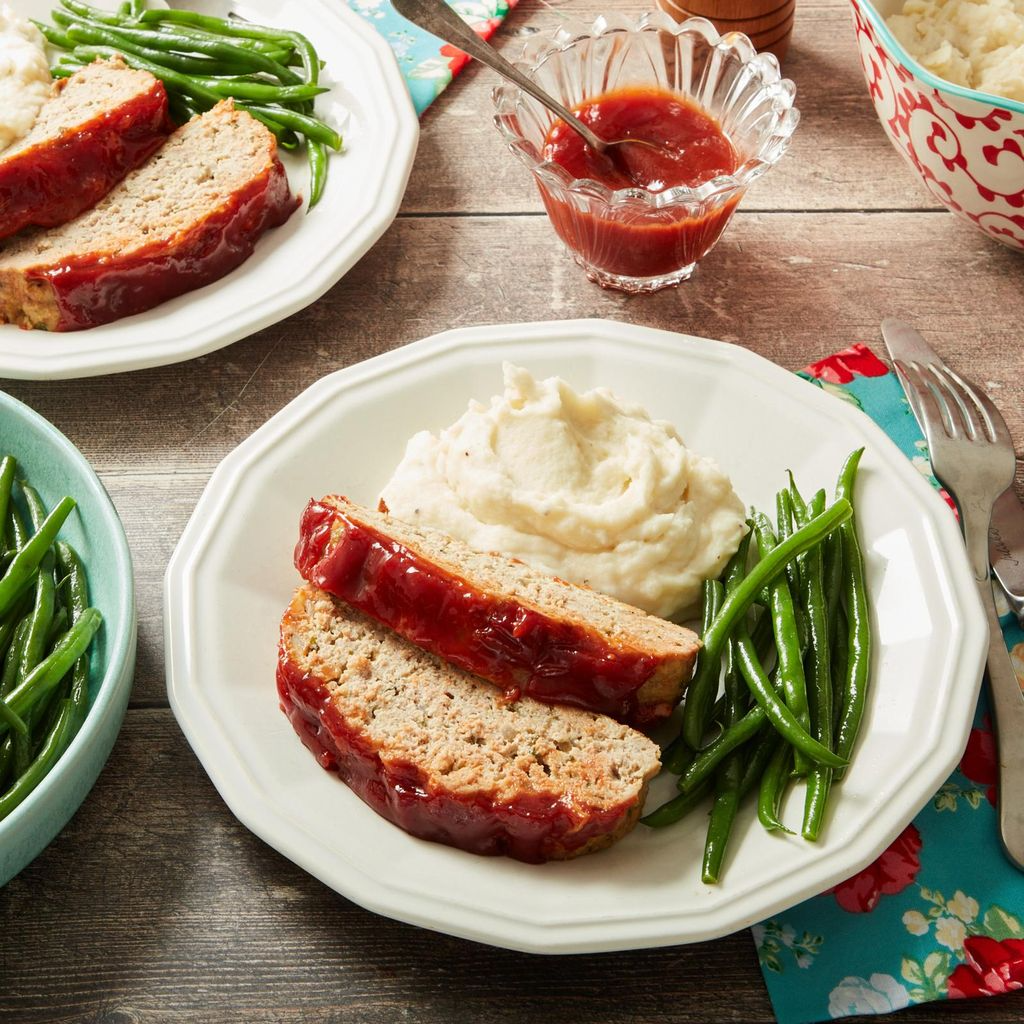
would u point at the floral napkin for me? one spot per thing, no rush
(940, 914)
(427, 63)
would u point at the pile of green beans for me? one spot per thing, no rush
(272, 73)
(46, 627)
(789, 634)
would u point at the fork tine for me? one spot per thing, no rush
(995, 425)
(961, 400)
(929, 402)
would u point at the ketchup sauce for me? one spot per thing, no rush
(46, 185)
(97, 288)
(500, 639)
(531, 827)
(635, 239)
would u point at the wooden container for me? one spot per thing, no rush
(769, 24)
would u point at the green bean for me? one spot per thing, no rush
(213, 25)
(737, 603)
(763, 749)
(832, 563)
(83, 33)
(31, 553)
(787, 523)
(317, 154)
(820, 679)
(55, 743)
(7, 468)
(16, 533)
(858, 644)
(702, 688)
(76, 587)
(52, 669)
(677, 808)
(12, 719)
(787, 637)
(776, 710)
(301, 123)
(92, 13)
(9, 676)
(773, 785)
(175, 79)
(723, 814)
(40, 620)
(839, 659)
(732, 738)
(63, 70)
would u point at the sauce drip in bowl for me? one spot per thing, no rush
(693, 147)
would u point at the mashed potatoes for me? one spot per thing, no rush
(585, 486)
(24, 75)
(974, 43)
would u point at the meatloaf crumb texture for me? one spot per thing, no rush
(97, 126)
(520, 628)
(436, 751)
(187, 216)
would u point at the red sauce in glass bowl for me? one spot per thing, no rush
(635, 239)
(693, 147)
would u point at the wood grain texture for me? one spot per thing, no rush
(155, 904)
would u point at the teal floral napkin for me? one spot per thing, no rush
(427, 63)
(940, 914)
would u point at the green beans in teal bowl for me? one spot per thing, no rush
(55, 467)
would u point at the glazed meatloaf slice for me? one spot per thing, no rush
(521, 629)
(98, 125)
(436, 751)
(190, 214)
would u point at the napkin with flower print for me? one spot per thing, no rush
(427, 63)
(940, 914)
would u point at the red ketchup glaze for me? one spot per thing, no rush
(531, 828)
(47, 185)
(520, 650)
(95, 289)
(636, 241)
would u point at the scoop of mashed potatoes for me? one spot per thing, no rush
(25, 80)
(978, 44)
(585, 486)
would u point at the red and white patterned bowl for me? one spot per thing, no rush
(967, 146)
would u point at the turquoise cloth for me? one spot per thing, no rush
(939, 915)
(427, 63)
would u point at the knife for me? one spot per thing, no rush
(1006, 533)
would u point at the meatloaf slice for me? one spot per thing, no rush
(436, 751)
(98, 125)
(519, 628)
(190, 214)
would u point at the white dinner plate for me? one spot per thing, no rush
(294, 264)
(231, 577)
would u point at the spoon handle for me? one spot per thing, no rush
(439, 19)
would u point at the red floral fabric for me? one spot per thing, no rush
(979, 761)
(992, 968)
(892, 872)
(855, 361)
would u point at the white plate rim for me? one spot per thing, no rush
(399, 136)
(569, 937)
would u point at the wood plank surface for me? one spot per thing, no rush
(155, 904)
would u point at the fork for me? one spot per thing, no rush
(972, 455)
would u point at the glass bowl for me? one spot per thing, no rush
(633, 239)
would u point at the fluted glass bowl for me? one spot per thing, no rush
(634, 239)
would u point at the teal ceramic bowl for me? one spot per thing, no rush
(55, 467)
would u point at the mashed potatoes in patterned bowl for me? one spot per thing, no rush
(947, 81)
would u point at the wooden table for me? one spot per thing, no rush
(155, 903)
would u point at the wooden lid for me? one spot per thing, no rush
(732, 10)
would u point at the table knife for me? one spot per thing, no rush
(1006, 534)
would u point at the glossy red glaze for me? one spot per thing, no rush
(95, 289)
(531, 828)
(49, 184)
(518, 648)
(692, 150)
(634, 240)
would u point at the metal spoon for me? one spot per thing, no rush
(439, 19)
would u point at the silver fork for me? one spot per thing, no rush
(972, 455)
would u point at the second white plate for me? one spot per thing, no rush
(294, 264)
(231, 576)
